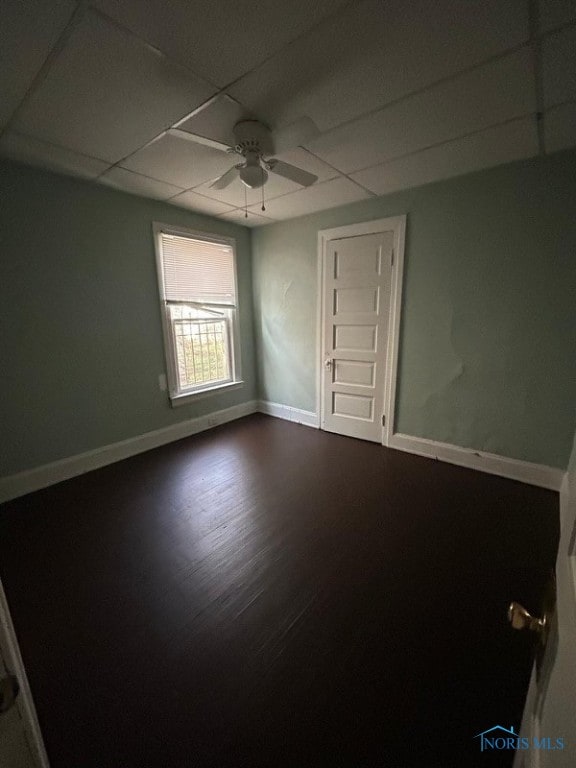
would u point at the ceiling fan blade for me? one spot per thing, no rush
(226, 178)
(288, 171)
(294, 135)
(179, 133)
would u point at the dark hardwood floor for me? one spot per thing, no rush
(265, 594)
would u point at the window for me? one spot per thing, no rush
(197, 280)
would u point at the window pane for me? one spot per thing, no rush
(201, 347)
(197, 281)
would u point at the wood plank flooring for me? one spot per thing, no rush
(266, 594)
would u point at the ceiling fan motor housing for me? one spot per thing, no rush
(253, 137)
(255, 144)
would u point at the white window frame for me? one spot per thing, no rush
(183, 397)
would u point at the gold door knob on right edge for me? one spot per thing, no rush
(542, 628)
(520, 618)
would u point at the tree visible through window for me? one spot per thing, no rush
(198, 290)
(201, 343)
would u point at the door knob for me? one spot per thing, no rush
(542, 627)
(328, 362)
(8, 691)
(520, 618)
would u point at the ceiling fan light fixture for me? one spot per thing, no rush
(253, 176)
(254, 142)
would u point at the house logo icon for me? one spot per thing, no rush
(498, 737)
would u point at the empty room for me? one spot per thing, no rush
(288, 383)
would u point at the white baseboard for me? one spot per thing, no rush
(31, 480)
(57, 471)
(513, 469)
(297, 415)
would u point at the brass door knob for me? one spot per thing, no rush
(543, 629)
(520, 618)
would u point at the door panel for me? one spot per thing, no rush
(354, 373)
(356, 300)
(550, 711)
(358, 261)
(355, 337)
(14, 749)
(17, 745)
(355, 406)
(357, 283)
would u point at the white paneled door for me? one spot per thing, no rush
(14, 749)
(546, 739)
(21, 744)
(357, 278)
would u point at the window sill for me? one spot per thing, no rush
(189, 397)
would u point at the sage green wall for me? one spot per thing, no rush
(488, 335)
(81, 341)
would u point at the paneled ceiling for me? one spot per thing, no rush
(403, 93)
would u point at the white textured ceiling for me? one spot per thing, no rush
(404, 93)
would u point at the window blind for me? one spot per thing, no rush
(197, 270)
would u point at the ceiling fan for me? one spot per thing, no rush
(255, 143)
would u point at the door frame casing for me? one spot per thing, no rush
(397, 224)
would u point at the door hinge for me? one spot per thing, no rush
(383, 421)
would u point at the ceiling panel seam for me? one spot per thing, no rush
(75, 18)
(195, 111)
(429, 87)
(145, 176)
(340, 173)
(444, 142)
(526, 45)
(532, 45)
(241, 210)
(536, 43)
(303, 34)
(126, 30)
(49, 143)
(218, 90)
(218, 200)
(555, 30)
(558, 105)
(363, 115)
